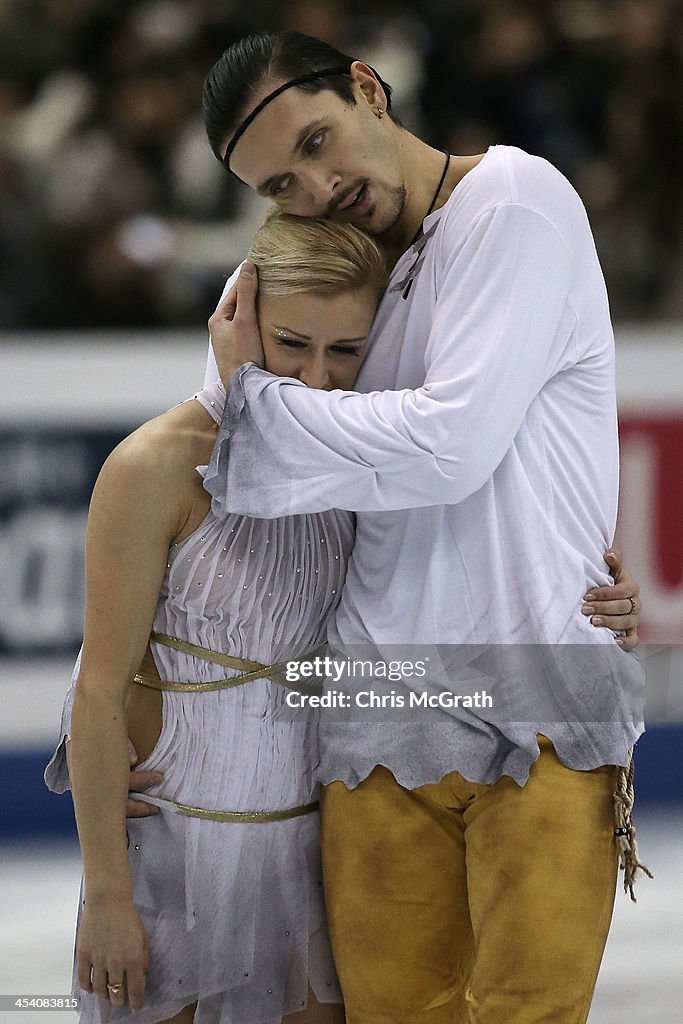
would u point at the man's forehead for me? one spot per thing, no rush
(279, 129)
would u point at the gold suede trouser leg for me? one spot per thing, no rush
(462, 903)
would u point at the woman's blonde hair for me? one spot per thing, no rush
(301, 254)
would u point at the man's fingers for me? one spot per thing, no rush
(140, 809)
(132, 753)
(242, 295)
(247, 287)
(619, 592)
(628, 642)
(615, 560)
(225, 310)
(615, 622)
(139, 781)
(620, 609)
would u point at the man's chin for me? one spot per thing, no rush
(388, 223)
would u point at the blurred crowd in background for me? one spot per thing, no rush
(114, 212)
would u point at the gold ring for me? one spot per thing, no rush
(115, 989)
(634, 610)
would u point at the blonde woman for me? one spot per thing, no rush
(212, 910)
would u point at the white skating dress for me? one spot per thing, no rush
(233, 909)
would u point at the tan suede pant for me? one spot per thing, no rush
(458, 903)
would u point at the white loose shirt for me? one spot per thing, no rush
(481, 457)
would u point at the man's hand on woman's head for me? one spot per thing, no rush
(233, 327)
(616, 607)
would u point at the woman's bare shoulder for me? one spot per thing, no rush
(172, 443)
(157, 462)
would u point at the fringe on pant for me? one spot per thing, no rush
(625, 829)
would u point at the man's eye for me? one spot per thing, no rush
(314, 142)
(280, 188)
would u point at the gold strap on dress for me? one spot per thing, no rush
(245, 816)
(250, 669)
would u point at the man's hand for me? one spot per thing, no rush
(138, 783)
(233, 327)
(617, 607)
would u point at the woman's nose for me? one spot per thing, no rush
(314, 374)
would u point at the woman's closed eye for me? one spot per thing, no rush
(295, 343)
(347, 350)
(290, 342)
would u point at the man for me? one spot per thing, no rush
(470, 860)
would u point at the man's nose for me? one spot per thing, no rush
(322, 185)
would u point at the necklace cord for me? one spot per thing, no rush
(434, 197)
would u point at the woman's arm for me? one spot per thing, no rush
(137, 508)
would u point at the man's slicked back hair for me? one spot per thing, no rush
(236, 77)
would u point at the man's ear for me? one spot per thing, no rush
(364, 77)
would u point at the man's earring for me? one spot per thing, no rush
(380, 113)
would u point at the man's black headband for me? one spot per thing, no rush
(241, 129)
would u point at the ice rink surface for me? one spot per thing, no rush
(641, 981)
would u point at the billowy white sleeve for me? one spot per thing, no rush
(499, 333)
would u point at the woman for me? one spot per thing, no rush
(170, 590)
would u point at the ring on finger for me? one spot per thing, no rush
(634, 607)
(115, 989)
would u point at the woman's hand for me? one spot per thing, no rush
(233, 327)
(617, 607)
(112, 955)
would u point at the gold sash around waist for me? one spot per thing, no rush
(245, 816)
(249, 670)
